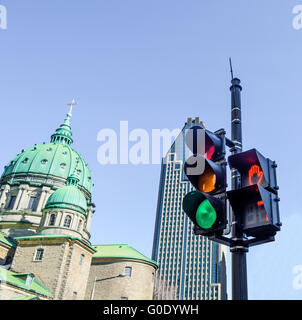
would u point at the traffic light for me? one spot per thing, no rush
(205, 169)
(256, 202)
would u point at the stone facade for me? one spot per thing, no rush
(64, 268)
(110, 285)
(9, 292)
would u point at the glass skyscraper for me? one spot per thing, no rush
(190, 267)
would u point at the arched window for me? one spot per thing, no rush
(11, 202)
(67, 221)
(33, 203)
(52, 219)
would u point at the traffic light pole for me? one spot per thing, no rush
(238, 246)
(254, 218)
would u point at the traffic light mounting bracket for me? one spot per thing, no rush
(245, 243)
(257, 241)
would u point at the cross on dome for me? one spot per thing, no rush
(71, 104)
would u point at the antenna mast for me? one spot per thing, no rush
(231, 68)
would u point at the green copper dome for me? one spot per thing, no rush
(51, 159)
(68, 197)
(54, 159)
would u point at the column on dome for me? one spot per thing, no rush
(89, 216)
(59, 217)
(74, 222)
(23, 196)
(20, 192)
(3, 197)
(47, 194)
(43, 198)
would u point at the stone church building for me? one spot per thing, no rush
(46, 211)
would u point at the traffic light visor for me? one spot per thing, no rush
(204, 142)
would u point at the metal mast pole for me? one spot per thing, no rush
(239, 269)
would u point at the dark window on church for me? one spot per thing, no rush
(128, 271)
(33, 203)
(11, 202)
(39, 255)
(52, 219)
(67, 221)
(8, 260)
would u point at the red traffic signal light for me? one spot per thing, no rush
(206, 143)
(254, 168)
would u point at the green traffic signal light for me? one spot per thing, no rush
(205, 211)
(205, 215)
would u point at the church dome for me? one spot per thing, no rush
(69, 197)
(50, 160)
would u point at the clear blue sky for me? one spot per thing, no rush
(155, 63)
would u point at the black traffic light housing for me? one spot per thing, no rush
(258, 209)
(205, 175)
(212, 213)
(206, 170)
(202, 141)
(254, 168)
(256, 202)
